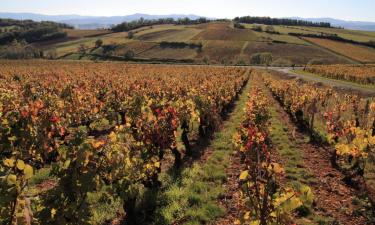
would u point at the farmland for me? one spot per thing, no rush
(216, 37)
(181, 121)
(359, 53)
(170, 140)
(357, 74)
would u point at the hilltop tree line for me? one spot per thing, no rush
(277, 21)
(127, 26)
(30, 31)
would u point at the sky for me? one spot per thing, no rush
(358, 10)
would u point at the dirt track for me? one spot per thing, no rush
(361, 89)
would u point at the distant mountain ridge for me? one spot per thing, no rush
(354, 25)
(94, 22)
(91, 22)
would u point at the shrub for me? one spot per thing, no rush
(129, 54)
(20, 50)
(98, 43)
(206, 60)
(282, 62)
(130, 34)
(239, 26)
(264, 58)
(257, 28)
(241, 62)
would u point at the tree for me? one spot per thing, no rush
(264, 58)
(109, 50)
(257, 28)
(206, 60)
(51, 54)
(238, 25)
(98, 43)
(129, 54)
(130, 34)
(82, 49)
(270, 29)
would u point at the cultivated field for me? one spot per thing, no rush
(234, 45)
(356, 52)
(357, 74)
(298, 54)
(97, 143)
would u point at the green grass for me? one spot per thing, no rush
(40, 176)
(103, 207)
(295, 172)
(192, 197)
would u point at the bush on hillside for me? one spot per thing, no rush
(282, 62)
(264, 58)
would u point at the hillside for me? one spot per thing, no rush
(215, 43)
(17, 36)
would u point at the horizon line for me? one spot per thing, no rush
(189, 14)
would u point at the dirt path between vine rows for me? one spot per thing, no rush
(231, 199)
(333, 198)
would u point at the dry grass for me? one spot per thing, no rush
(75, 33)
(214, 25)
(355, 35)
(138, 47)
(356, 52)
(227, 34)
(222, 51)
(169, 53)
(298, 54)
(177, 35)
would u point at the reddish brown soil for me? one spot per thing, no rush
(231, 200)
(47, 185)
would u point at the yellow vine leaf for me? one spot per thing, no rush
(9, 162)
(11, 179)
(53, 212)
(244, 175)
(20, 165)
(28, 171)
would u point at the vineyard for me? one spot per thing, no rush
(234, 145)
(356, 52)
(357, 74)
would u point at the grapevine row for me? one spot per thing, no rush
(99, 125)
(343, 120)
(266, 199)
(357, 74)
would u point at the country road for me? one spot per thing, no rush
(362, 89)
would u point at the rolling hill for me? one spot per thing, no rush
(94, 22)
(91, 22)
(214, 43)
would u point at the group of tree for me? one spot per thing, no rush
(264, 58)
(166, 44)
(128, 26)
(238, 25)
(30, 31)
(334, 37)
(20, 50)
(268, 29)
(279, 21)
